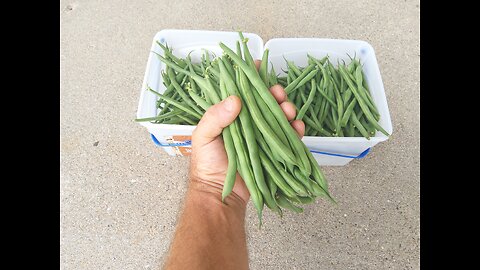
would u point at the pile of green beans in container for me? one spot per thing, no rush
(332, 101)
(277, 167)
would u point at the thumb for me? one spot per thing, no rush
(215, 119)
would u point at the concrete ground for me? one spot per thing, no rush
(120, 194)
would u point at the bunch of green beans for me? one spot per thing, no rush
(332, 101)
(278, 169)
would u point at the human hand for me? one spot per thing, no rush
(209, 162)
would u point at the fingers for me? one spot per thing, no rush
(215, 119)
(299, 127)
(278, 93)
(289, 110)
(287, 107)
(281, 97)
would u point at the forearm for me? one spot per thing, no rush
(210, 234)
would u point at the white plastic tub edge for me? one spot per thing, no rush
(335, 151)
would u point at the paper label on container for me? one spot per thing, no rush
(179, 139)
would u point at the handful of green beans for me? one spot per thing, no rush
(332, 102)
(278, 169)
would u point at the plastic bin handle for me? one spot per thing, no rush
(189, 143)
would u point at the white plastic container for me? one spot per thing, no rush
(296, 49)
(329, 151)
(182, 42)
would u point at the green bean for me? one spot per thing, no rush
(365, 86)
(309, 108)
(228, 65)
(273, 77)
(320, 62)
(359, 126)
(182, 94)
(247, 128)
(298, 100)
(317, 190)
(293, 67)
(165, 78)
(317, 103)
(341, 86)
(306, 200)
(308, 131)
(169, 54)
(346, 96)
(164, 109)
(334, 120)
(333, 72)
(312, 124)
(178, 105)
(197, 70)
(259, 120)
(200, 101)
(283, 202)
(271, 169)
(351, 66)
(340, 132)
(348, 112)
(349, 130)
(161, 117)
(231, 156)
(321, 110)
(325, 95)
(239, 49)
(273, 190)
(324, 113)
(207, 57)
(318, 77)
(191, 69)
(359, 113)
(213, 73)
(244, 169)
(281, 81)
(186, 119)
(169, 87)
(363, 92)
(362, 104)
(204, 83)
(318, 176)
(269, 117)
(291, 86)
(174, 121)
(257, 101)
(246, 54)
(368, 126)
(289, 179)
(339, 107)
(329, 122)
(263, 67)
(306, 79)
(303, 179)
(215, 84)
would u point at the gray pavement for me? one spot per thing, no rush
(120, 199)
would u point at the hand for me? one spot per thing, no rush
(208, 164)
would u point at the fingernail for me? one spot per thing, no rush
(228, 104)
